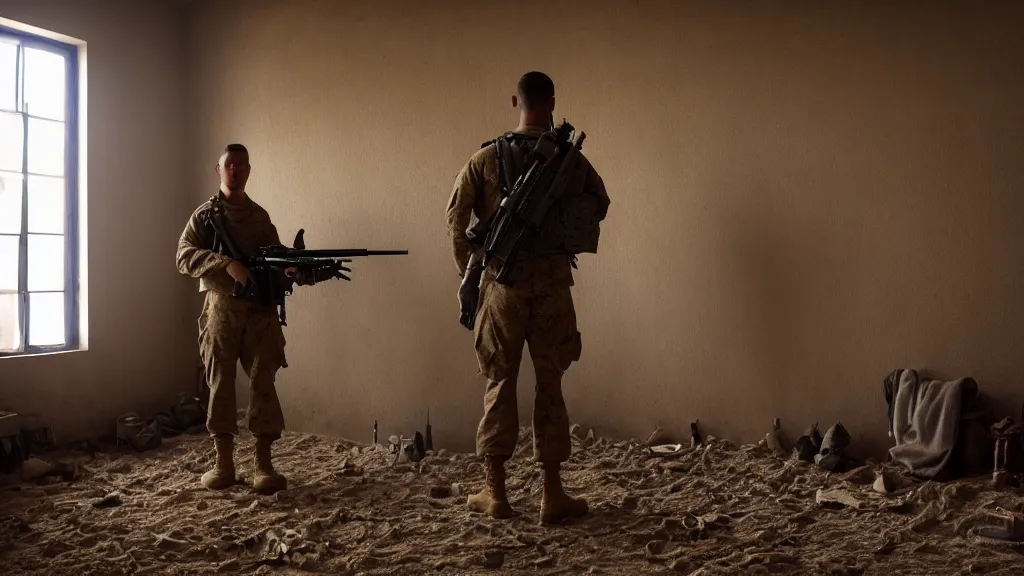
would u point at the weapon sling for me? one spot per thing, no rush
(222, 237)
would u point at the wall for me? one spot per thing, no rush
(140, 345)
(803, 199)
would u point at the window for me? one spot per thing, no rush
(38, 194)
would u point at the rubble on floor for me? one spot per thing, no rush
(713, 508)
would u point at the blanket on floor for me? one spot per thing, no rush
(924, 419)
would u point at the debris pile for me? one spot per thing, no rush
(185, 415)
(712, 508)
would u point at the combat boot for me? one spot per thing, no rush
(492, 500)
(266, 480)
(222, 475)
(556, 506)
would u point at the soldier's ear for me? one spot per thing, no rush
(216, 168)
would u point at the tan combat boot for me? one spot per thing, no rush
(222, 475)
(492, 500)
(556, 506)
(266, 480)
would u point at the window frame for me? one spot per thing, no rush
(72, 289)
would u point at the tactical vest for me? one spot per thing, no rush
(573, 224)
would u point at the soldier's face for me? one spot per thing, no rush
(233, 169)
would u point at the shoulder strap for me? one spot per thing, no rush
(221, 239)
(502, 151)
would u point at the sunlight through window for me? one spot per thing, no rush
(38, 296)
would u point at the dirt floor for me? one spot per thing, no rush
(718, 509)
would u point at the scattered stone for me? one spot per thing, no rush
(544, 562)
(814, 435)
(655, 548)
(665, 450)
(227, 543)
(695, 439)
(440, 492)
(108, 501)
(836, 440)
(684, 566)
(677, 467)
(861, 476)
(493, 560)
(351, 472)
(836, 499)
(805, 450)
(883, 484)
(171, 541)
(34, 468)
(1006, 526)
(829, 462)
(773, 439)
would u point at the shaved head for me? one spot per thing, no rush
(536, 90)
(535, 98)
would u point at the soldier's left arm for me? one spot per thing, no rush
(594, 184)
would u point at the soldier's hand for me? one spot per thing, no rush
(239, 272)
(469, 296)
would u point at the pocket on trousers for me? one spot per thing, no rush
(276, 340)
(488, 353)
(572, 350)
(201, 322)
(284, 341)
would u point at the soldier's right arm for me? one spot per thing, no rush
(468, 185)
(195, 256)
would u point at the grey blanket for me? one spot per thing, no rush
(925, 421)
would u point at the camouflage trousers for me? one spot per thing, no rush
(538, 312)
(232, 330)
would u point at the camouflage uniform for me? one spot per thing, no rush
(232, 330)
(538, 310)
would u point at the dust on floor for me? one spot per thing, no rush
(718, 509)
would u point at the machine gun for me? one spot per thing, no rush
(517, 221)
(270, 285)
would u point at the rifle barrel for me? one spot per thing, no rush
(340, 253)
